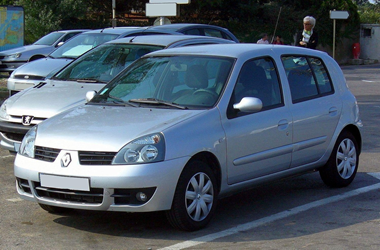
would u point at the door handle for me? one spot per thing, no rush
(333, 111)
(283, 124)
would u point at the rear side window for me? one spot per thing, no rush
(213, 33)
(308, 77)
(69, 35)
(195, 32)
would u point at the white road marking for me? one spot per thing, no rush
(15, 199)
(368, 81)
(272, 218)
(6, 156)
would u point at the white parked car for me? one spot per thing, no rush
(11, 59)
(182, 127)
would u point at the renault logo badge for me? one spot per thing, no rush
(65, 160)
(27, 119)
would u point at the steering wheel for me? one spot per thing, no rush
(207, 91)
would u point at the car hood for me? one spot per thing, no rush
(106, 128)
(24, 49)
(50, 99)
(42, 67)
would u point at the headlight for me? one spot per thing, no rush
(3, 111)
(146, 149)
(13, 56)
(27, 144)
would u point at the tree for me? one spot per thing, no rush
(6, 2)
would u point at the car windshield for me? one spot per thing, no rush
(177, 81)
(104, 62)
(49, 39)
(81, 43)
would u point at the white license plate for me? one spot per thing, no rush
(65, 182)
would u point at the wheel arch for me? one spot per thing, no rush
(212, 162)
(354, 130)
(35, 57)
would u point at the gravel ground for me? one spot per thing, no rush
(3, 81)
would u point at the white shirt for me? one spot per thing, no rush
(261, 41)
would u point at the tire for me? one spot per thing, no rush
(340, 170)
(53, 209)
(193, 208)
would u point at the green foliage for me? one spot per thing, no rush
(245, 18)
(369, 13)
(6, 2)
(250, 18)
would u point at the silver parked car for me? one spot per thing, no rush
(68, 87)
(13, 58)
(33, 73)
(182, 127)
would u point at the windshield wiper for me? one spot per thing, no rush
(157, 102)
(67, 57)
(89, 80)
(118, 100)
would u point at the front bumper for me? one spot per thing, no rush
(109, 185)
(11, 135)
(9, 66)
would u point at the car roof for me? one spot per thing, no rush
(179, 27)
(237, 50)
(167, 40)
(69, 31)
(118, 30)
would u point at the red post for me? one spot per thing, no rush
(356, 50)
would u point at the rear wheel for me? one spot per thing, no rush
(341, 168)
(195, 199)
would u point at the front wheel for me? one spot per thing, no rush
(340, 170)
(195, 198)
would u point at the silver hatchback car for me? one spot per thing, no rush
(183, 127)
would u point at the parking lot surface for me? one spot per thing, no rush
(296, 213)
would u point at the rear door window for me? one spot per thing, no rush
(307, 76)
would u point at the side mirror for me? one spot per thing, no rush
(90, 95)
(60, 43)
(249, 104)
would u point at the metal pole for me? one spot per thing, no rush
(113, 13)
(278, 17)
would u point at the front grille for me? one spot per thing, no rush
(94, 196)
(29, 77)
(14, 136)
(24, 185)
(96, 158)
(46, 154)
(35, 120)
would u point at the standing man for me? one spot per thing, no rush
(264, 39)
(309, 37)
